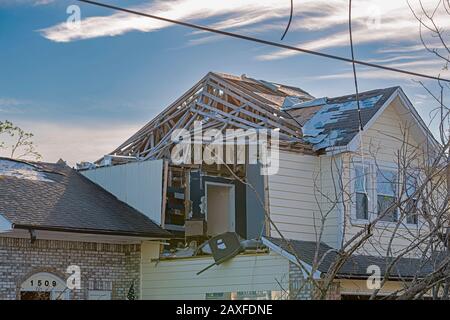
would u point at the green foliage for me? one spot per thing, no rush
(22, 145)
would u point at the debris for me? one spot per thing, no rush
(224, 247)
(293, 102)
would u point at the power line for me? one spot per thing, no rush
(290, 20)
(261, 41)
(353, 63)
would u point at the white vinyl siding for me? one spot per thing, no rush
(296, 201)
(178, 279)
(139, 184)
(381, 143)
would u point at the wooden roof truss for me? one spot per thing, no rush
(220, 102)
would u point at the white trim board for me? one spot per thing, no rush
(272, 246)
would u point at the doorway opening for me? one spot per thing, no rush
(34, 295)
(44, 286)
(220, 208)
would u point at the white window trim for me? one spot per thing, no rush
(395, 196)
(420, 222)
(371, 187)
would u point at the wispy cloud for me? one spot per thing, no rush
(42, 2)
(235, 13)
(374, 21)
(25, 2)
(12, 105)
(431, 67)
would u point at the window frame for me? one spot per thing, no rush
(372, 192)
(395, 195)
(365, 169)
(367, 164)
(416, 199)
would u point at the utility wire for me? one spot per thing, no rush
(266, 42)
(355, 78)
(353, 63)
(290, 20)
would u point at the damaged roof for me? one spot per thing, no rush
(48, 196)
(356, 265)
(306, 124)
(330, 122)
(274, 93)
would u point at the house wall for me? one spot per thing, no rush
(104, 266)
(359, 287)
(177, 278)
(139, 184)
(381, 143)
(298, 198)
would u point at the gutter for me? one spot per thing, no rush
(91, 231)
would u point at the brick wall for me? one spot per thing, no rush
(111, 267)
(300, 289)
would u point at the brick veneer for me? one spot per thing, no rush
(103, 266)
(299, 289)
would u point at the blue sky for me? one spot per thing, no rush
(83, 91)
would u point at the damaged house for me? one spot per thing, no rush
(270, 221)
(240, 189)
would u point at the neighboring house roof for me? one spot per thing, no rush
(330, 122)
(47, 196)
(356, 266)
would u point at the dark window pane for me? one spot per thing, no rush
(384, 202)
(361, 206)
(411, 211)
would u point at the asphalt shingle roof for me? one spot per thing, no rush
(66, 200)
(356, 266)
(329, 122)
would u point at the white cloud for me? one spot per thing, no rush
(430, 67)
(42, 2)
(383, 22)
(25, 2)
(75, 143)
(238, 14)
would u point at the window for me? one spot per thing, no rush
(411, 201)
(362, 203)
(99, 295)
(386, 195)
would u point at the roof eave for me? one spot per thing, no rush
(149, 235)
(275, 248)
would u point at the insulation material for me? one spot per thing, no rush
(22, 170)
(292, 102)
